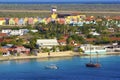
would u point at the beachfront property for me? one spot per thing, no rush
(92, 49)
(10, 49)
(46, 43)
(73, 19)
(114, 47)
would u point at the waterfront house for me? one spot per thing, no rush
(11, 21)
(6, 21)
(2, 21)
(93, 49)
(30, 20)
(39, 20)
(16, 49)
(21, 21)
(16, 21)
(4, 52)
(46, 43)
(21, 49)
(25, 21)
(35, 20)
(54, 16)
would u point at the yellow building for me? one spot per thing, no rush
(54, 16)
(11, 21)
(26, 20)
(2, 22)
(35, 20)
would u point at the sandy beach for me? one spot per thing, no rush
(51, 55)
(42, 55)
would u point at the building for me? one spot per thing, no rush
(15, 32)
(2, 21)
(47, 43)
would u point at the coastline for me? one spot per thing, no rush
(42, 55)
(51, 55)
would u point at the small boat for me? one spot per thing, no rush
(51, 67)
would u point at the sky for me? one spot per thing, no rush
(59, 0)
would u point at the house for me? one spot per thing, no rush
(30, 20)
(61, 20)
(92, 49)
(15, 32)
(25, 21)
(4, 52)
(21, 21)
(6, 21)
(62, 42)
(34, 31)
(111, 30)
(7, 31)
(94, 33)
(47, 43)
(16, 49)
(35, 20)
(11, 21)
(2, 21)
(16, 21)
(21, 49)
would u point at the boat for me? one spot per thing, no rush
(91, 64)
(52, 66)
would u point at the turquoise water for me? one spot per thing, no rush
(70, 68)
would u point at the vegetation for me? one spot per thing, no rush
(43, 10)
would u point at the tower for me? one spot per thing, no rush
(54, 9)
(54, 12)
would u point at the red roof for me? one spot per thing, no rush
(3, 50)
(62, 40)
(115, 38)
(2, 18)
(3, 34)
(116, 17)
(1, 40)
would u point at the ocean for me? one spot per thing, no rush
(69, 68)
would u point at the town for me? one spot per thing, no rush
(59, 32)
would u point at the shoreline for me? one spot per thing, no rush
(52, 55)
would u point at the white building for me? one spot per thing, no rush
(47, 43)
(94, 33)
(93, 49)
(15, 32)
